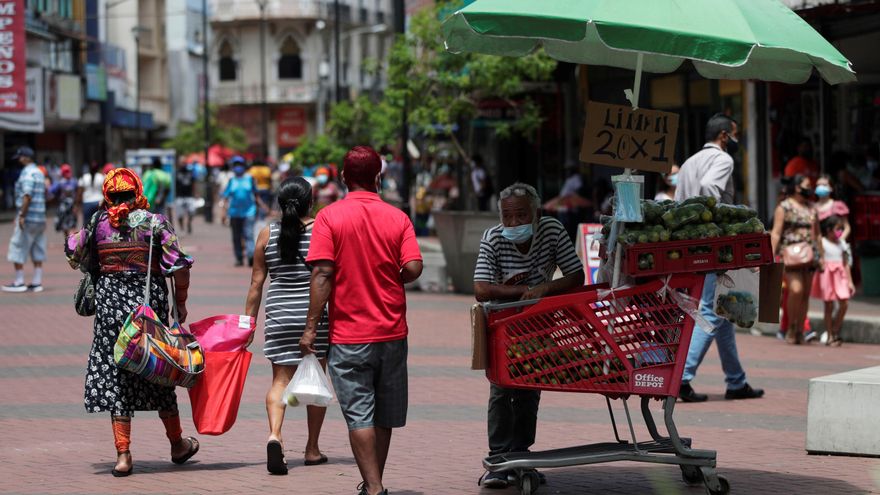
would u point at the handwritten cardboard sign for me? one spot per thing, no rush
(619, 136)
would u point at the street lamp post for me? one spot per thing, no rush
(337, 94)
(263, 108)
(136, 31)
(209, 187)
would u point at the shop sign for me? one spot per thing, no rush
(618, 136)
(13, 60)
(96, 82)
(290, 124)
(31, 119)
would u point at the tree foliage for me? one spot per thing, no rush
(318, 150)
(442, 89)
(363, 121)
(190, 138)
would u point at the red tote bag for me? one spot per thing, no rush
(217, 395)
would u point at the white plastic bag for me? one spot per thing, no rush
(736, 296)
(309, 386)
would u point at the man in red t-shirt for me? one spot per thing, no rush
(363, 251)
(803, 163)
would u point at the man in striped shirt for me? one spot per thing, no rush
(517, 260)
(29, 238)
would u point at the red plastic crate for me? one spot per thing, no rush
(563, 343)
(702, 255)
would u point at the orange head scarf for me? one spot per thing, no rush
(123, 180)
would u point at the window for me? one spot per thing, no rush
(290, 63)
(227, 64)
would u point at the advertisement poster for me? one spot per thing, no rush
(13, 82)
(291, 126)
(588, 250)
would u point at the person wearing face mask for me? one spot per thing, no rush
(240, 202)
(795, 237)
(517, 260)
(834, 284)
(709, 173)
(326, 191)
(803, 163)
(362, 252)
(670, 182)
(826, 205)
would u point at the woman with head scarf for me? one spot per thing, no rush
(122, 230)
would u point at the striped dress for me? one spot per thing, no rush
(287, 303)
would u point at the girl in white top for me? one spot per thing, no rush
(91, 192)
(834, 283)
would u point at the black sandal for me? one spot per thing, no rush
(275, 458)
(122, 474)
(193, 450)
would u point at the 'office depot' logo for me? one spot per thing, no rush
(649, 380)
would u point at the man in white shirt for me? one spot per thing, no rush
(709, 173)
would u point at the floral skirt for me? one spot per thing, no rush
(107, 387)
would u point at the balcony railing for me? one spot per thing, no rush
(238, 10)
(294, 92)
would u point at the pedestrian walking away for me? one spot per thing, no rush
(709, 173)
(795, 237)
(29, 237)
(90, 195)
(517, 260)
(834, 284)
(280, 254)
(120, 235)
(157, 186)
(363, 251)
(64, 192)
(184, 199)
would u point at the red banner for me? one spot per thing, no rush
(13, 93)
(291, 126)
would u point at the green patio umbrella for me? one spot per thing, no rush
(725, 39)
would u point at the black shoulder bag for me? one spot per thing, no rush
(84, 298)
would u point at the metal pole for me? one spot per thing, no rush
(137, 112)
(400, 28)
(264, 109)
(336, 42)
(206, 116)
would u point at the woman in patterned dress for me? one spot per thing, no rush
(280, 253)
(795, 221)
(122, 235)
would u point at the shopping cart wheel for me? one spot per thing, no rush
(691, 475)
(725, 487)
(528, 483)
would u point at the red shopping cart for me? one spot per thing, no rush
(618, 343)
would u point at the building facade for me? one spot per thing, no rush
(279, 89)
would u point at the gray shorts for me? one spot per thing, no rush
(371, 383)
(30, 241)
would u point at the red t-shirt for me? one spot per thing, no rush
(369, 241)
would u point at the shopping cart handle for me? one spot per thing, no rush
(508, 305)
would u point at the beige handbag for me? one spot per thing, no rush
(798, 255)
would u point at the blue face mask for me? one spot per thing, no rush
(823, 191)
(673, 180)
(518, 234)
(323, 179)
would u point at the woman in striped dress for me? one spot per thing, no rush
(280, 253)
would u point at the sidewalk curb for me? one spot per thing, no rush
(859, 330)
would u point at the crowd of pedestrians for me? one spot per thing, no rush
(321, 300)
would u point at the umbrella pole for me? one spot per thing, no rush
(633, 94)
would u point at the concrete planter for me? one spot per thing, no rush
(460, 233)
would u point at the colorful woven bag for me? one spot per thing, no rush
(159, 354)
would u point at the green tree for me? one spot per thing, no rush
(318, 150)
(442, 90)
(363, 121)
(190, 138)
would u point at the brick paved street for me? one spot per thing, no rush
(50, 445)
